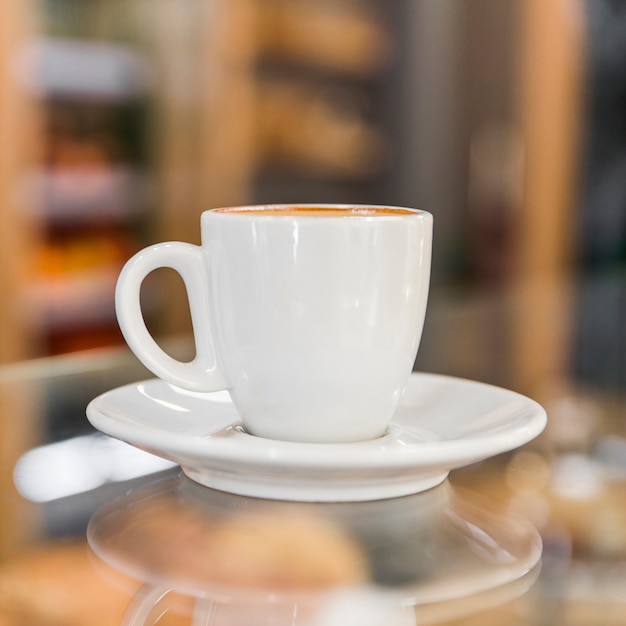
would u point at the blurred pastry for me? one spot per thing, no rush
(272, 549)
(317, 129)
(58, 585)
(344, 37)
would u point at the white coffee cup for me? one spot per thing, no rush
(310, 315)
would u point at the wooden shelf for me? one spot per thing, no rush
(550, 79)
(18, 151)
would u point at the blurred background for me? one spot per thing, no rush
(122, 120)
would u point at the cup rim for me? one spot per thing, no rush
(258, 211)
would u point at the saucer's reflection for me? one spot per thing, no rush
(229, 560)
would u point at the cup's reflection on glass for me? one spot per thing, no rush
(224, 559)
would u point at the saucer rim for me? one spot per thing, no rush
(369, 454)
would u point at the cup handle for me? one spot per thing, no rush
(203, 373)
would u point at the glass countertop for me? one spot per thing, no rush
(95, 531)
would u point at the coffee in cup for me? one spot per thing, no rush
(309, 315)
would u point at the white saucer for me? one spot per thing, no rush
(442, 423)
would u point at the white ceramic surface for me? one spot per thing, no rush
(311, 323)
(441, 423)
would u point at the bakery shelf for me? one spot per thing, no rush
(77, 68)
(77, 194)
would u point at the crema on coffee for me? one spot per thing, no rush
(318, 211)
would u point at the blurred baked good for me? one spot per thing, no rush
(316, 129)
(58, 585)
(344, 37)
(275, 548)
